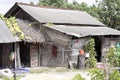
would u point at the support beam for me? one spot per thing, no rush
(17, 56)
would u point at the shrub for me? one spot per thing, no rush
(97, 74)
(90, 47)
(115, 75)
(113, 57)
(78, 77)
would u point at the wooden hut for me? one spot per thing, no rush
(45, 47)
(8, 44)
(54, 32)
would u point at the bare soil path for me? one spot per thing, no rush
(54, 74)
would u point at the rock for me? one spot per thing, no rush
(6, 73)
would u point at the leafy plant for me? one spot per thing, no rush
(14, 28)
(6, 78)
(90, 47)
(97, 74)
(78, 77)
(113, 58)
(109, 12)
(115, 75)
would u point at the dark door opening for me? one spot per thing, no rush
(1, 53)
(98, 44)
(25, 54)
(5, 51)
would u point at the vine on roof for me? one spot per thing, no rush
(49, 24)
(14, 28)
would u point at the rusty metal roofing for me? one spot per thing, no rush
(59, 16)
(5, 34)
(32, 32)
(82, 31)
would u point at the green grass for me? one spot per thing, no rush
(5, 78)
(61, 69)
(39, 70)
(42, 70)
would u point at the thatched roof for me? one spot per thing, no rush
(42, 34)
(33, 33)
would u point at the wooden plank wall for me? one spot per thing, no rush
(7, 48)
(48, 59)
(106, 44)
(1, 51)
(43, 55)
(34, 55)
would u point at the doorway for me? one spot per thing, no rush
(25, 54)
(98, 45)
(5, 50)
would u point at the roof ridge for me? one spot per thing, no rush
(48, 7)
(21, 3)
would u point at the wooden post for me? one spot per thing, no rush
(46, 55)
(34, 55)
(17, 59)
(39, 55)
(17, 56)
(63, 57)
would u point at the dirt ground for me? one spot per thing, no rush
(54, 74)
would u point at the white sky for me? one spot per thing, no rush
(5, 5)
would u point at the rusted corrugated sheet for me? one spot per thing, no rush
(82, 31)
(5, 34)
(60, 16)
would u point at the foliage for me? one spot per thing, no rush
(5, 78)
(78, 77)
(109, 12)
(32, 3)
(115, 75)
(94, 11)
(14, 28)
(12, 24)
(90, 47)
(64, 4)
(76, 6)
(113, 58)
(97, 74)
(53, 3)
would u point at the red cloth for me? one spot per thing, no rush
(54, 51)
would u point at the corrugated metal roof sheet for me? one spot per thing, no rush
(45, 15)
(5, 34)
(32, 32)
(82, 31)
